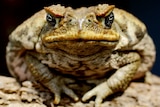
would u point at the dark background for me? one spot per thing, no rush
(14, 12)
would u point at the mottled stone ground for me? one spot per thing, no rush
(138, 94)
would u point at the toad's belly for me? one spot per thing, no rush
(87, 67)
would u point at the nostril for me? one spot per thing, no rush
(89, 20)
(70, 20)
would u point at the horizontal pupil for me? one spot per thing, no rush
(109, 20)
(51, 19)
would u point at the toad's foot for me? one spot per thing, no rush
(100, 92)
(57, 86)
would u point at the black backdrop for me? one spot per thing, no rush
(14, 12)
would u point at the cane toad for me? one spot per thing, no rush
(60, 44)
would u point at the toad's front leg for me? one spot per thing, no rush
(126, 65)
(56, 84)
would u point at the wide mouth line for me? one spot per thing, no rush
(81, 40)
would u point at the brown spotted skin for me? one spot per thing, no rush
(81, 44)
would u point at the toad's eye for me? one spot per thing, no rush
(51, 20)
(108, 20)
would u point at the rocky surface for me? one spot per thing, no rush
(138, 94)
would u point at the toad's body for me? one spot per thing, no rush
(81, 44)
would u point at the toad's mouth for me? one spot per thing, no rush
(84, 42)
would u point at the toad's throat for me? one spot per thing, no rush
(82, 48)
